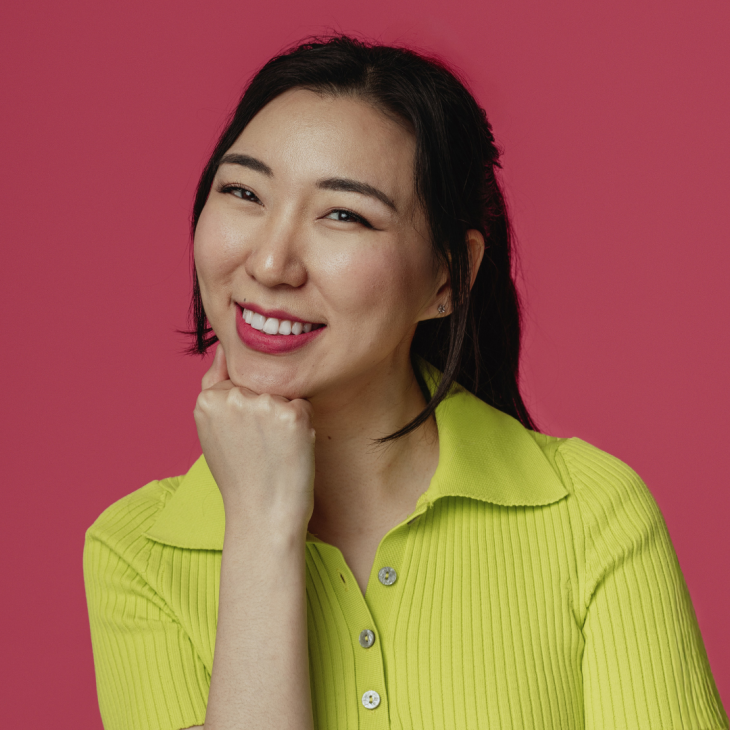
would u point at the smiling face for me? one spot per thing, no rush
(312, 218)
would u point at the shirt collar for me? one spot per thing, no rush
(484, 454)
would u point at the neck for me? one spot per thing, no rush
(352, 470)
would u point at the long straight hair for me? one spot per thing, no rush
(455, 179)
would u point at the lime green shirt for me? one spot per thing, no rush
(533, 586)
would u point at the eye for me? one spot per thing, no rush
(347, 216)
(240, 192)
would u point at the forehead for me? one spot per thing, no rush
(306, 135)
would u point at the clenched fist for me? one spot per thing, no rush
(260, 450)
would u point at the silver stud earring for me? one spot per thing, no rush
(441, 309)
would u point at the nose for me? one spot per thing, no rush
(275, 259)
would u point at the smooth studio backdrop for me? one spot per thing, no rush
(614, 120)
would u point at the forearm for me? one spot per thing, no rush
(260, 673)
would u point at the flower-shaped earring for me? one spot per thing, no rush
(441, 309)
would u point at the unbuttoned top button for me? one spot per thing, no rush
(367, 638)
(371, 699)
(387, 576)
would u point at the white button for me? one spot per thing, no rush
(387, 576)
(367, 638)
(371, 699)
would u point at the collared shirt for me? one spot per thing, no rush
(533, 586)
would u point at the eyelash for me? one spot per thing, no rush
(231, 188)
(356, 216)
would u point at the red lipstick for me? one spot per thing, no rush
(272, 344)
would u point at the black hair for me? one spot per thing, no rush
(455, 179)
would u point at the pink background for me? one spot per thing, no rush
(614, 118)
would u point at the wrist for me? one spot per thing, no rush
(263, 511)
(274, 531)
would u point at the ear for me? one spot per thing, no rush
(475, 244)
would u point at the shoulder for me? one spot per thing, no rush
(602, 483)
(591, 475)
(120, 528)
(614, 504)
(621, 521)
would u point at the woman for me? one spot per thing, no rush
(427, 559)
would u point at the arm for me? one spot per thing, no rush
(644, 662)
(260, 449)
(148, 673)
(260, 673)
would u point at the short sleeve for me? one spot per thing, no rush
(148, 674)
(644, 662)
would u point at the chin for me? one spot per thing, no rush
(272, 383)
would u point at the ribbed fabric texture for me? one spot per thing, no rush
(562, 616)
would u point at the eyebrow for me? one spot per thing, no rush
(341, 184)
(246, 161)
(346, 185)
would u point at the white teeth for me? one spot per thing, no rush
(274, 326)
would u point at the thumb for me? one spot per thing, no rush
(218, 371)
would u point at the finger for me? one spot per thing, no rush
(218, 371)
(252, 393)
(304, 405)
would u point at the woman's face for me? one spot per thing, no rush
(312, 220)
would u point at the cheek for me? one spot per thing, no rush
(216, 248)
(380, 286)
(217, 254)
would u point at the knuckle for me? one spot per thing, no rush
(236, 399)
(265, 404)
(303, 409)
(287, 416)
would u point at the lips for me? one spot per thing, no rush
(274, 332)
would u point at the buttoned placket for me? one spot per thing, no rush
(368, 616)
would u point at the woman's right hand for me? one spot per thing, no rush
(260, 450)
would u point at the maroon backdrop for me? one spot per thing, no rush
(614, 118)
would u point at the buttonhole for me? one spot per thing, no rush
(343, 579)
